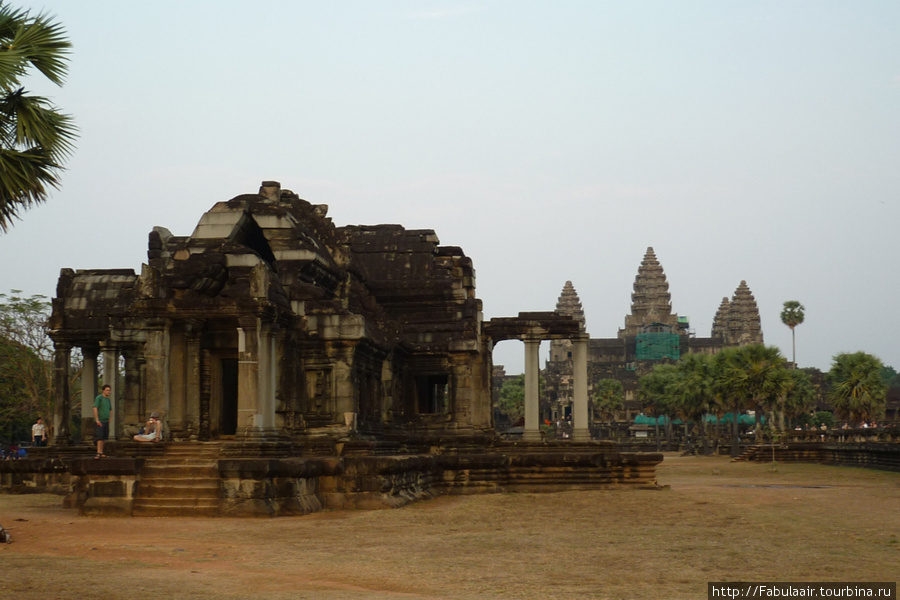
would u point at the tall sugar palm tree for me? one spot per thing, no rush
(857, 390)
(35, 138)
(792, 315)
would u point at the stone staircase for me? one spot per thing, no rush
(180, 481)
(763, 453)
(749, 453)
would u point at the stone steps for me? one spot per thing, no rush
(156, 468)
(178, 507)
(177, 488)
(748, 454)
(181, 481)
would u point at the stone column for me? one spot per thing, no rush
(580, 427)
(532, 391)
(343, 394)
(248, 422)
(192, 357)
(156, 365)
(61, 410)
(131, 392)
(266, 368)
(111, 378)
(177, 377)
(88, 390)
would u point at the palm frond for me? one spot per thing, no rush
(35, 137)
(25, 181)
(43, 44)
(35, 41)
(38, 123)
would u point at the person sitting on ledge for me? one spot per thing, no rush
(152, 432)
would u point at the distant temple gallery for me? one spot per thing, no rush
(652, 333)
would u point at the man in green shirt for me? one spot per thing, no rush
(102, 409)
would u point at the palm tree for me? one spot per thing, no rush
(35, 138)
(693, 391)
(792, 315)
(751, 376)
(798, 398)
(857, 389)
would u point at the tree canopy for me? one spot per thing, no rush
(653, 389)
(890, 376)
(26, 367)
(512, 398)
(609, 397)
(792, 314)
(858, 391)
(35, 138)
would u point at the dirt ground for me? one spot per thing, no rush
(716, 521)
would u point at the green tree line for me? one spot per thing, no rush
(756, 377)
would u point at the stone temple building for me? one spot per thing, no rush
(268, 321)
(297, 365)
(652, 333)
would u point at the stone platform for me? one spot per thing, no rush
(213, 479)
(874, 455)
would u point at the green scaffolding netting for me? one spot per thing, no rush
(656, 346)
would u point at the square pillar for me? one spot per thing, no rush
(192, 376)
(266, 368)
(580, 425)
(177, 377)
(132, 410)
(61, 409)
(111, 378)
(88, 390)
(248, 381)
(343, 391)
(156, 371)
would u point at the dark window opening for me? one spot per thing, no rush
(433, 392)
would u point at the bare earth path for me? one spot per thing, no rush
(718, 521)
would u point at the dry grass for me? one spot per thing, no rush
(718, 521)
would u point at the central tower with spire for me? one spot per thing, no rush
(651, 303)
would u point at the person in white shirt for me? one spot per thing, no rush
(39, 433)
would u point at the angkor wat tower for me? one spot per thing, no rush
(570, 305)
(737, 322)
(651, 302)
(653, 333)
(559, 386)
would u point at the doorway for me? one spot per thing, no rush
(228, 415)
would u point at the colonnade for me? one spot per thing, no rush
(163, 374)
(580, 425)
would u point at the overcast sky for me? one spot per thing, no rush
(552, 141)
